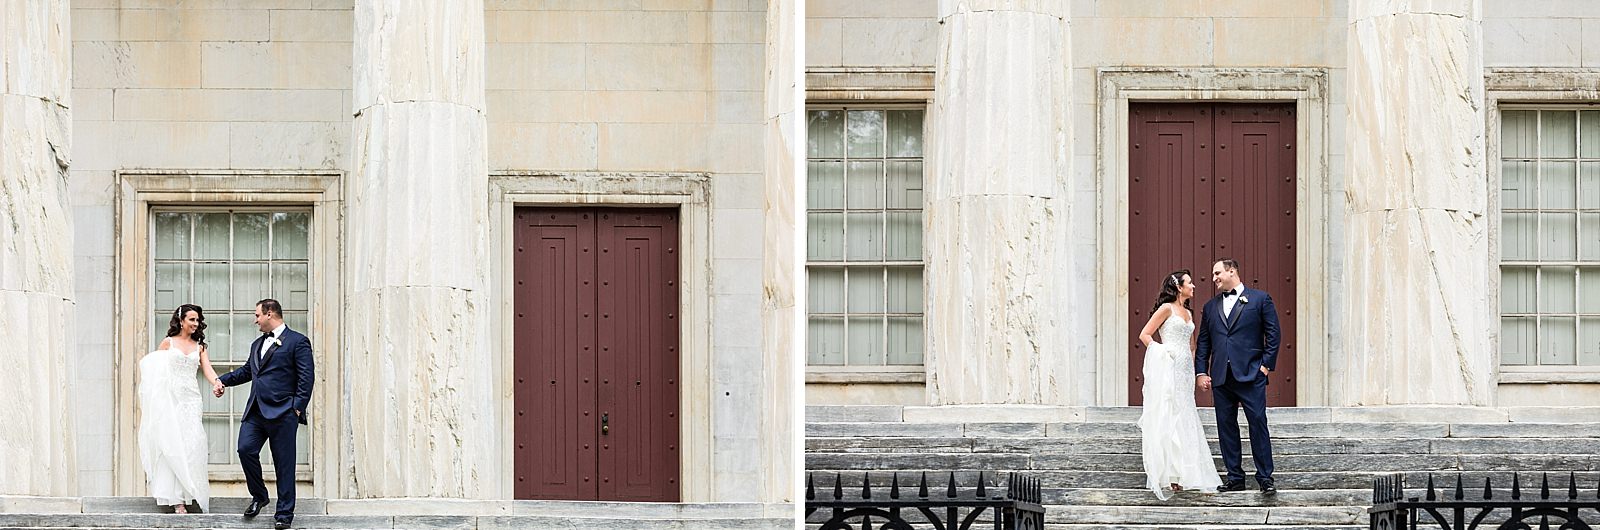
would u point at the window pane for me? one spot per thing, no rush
(905, 236)
(825, 134)
(1516, 340)
(905, 185)
(866, 341)
(1557, 288)
(291, 286)
(1589, 185)
(172, 287)
(865, 231)
(1589, 134)
(291, 235)
(905, 289)
(302, 446)
(250, 235)
(211, 284)
(825, 289)
(825, 237)
(825, 340)
(1516, 185)
(864, 185)
(864, 133)
(220, 434)
(244, 333)
(825, 185)
(249, 286)
(1558, 134)
(866, 289)
(219, 341)
(1558, 235)
(296, 320)
(1589, 290)
(1518, 138)
(1589, 341)
(1558, 185)
(1517, 236)
(211, 240)
(1589, 241)
(905, 340)
(1557, 337)
(905, 133)
(1516, 289)
(171, 233)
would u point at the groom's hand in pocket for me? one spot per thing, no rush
(1264, 371)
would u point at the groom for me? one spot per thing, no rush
(280, 366)
(1236, 349)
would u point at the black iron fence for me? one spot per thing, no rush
(1016, 507)
(1465, 508)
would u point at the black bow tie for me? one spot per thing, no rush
(1228, 293)
(266, 335)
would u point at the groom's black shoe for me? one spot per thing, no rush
(1232, 485)
(280, 525)
(254, 508)
(1268, 487)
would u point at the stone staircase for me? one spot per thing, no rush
(1089, 462)
(128, 513)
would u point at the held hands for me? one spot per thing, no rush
(1204, 382)
(216, 388)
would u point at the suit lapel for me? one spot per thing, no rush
(1238, 308)
(266, 351)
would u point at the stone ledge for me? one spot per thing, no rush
(32, 504)
(1000, 413)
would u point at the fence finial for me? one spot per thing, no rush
(894, 486)
(866, 485)
(922, 491)
(811, 486)
(981, 492)
(950, 489)
(1544, 486)
(1516, 485)
(1431, 494)
(1488, 491)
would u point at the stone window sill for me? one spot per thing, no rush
(880, 375)
(1546, 375)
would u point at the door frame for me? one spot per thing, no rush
(689, 192)
(1307, 88)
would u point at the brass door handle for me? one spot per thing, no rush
(605, 424)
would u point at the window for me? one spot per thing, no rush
(225, 260)
(864, 236)
(1550, 238)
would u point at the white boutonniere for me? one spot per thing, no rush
(270, 342)
(1244, 299)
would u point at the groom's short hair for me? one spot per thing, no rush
(1228, 263)
(271, 306)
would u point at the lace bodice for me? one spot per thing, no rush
(1176, 331)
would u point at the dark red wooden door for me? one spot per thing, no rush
(1211, 180)
(596, 354)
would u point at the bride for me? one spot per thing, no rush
(172, 443)
(1175, 452)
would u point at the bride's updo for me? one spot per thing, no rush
(1169, 289)
(176, 324)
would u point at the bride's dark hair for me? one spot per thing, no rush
(1169, 289)
(176, 324)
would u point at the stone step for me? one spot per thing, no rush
(219, 505)
(1130, 430)
(1403, 413)
(1144, 497)
(1287, 479)
(1058, 526)
(1131, 462)
(1189, 515)
(1280, 446)
(434, 522)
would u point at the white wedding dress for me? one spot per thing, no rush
(1175, 449)
(172, 443)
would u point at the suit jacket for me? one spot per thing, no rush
(282, 377)
(1244, 341)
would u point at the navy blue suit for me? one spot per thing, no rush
(1232, 350)
(279, 399)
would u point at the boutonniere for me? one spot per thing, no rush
(270, 342)
(1244, 299)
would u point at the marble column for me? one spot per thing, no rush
(38, 440)
(782, 251)
(1416, 239)
(997, 223)
(420, 410)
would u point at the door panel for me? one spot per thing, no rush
(1212, 180)
(596, 364)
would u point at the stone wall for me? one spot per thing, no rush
(1179, 33)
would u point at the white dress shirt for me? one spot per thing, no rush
(1229, 301)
